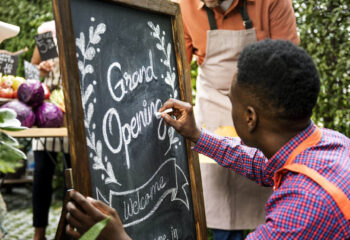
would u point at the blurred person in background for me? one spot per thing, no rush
(45, 149)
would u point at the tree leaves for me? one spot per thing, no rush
(324, 29)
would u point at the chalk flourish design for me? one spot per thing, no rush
(88, 53)
(170, 74)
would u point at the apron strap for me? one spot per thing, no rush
(337, 194)
(247, 22)
(211, 18)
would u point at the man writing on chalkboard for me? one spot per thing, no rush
(215, 33)
(272, 97)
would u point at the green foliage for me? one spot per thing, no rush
(9, 154)
(324, 28)
(28, 15)
(95, 230)
(194, 73)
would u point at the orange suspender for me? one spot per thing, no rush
(337, 194)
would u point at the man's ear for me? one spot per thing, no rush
(251, 118)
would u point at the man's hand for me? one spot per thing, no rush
(83, 213)
(184, 123)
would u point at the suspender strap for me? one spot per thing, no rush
(337, 194)
(211, 18)
(310, 141)
(247, 22)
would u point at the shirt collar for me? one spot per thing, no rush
(280, 157)
(201, 3)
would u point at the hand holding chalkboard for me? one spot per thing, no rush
(97, 211)
(46, 46)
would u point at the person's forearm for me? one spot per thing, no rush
(230, 153)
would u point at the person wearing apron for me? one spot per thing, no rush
(232, 202)
(273, 97)
(46, 149)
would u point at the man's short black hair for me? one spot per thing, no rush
(281, 76)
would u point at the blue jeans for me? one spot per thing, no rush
(227, 234)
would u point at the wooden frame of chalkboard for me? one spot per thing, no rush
(72, 75)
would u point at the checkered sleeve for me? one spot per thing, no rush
(230, 153)
(298, 214)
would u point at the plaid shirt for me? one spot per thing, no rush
(299, 208)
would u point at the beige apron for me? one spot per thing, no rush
(231, 201)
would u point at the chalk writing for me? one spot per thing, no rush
(128, 82)
(141, 203)
(46, 46)
(129, 131)
(8, 64)
(31, 71)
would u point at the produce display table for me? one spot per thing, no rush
(39, 132)
(33, 133)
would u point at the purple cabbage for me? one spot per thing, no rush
(25, 113)
(31, 92)
(48, 115)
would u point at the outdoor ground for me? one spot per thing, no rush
(18, 222)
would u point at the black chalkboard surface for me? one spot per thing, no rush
(8, 64)
(129, 59)
(46, 46)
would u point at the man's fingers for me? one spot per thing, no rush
(176, 104)
(75, 223)
(75, 211)
(104, 208)
(170, 121)
(81, 202)
(168, 104)
(70, 231)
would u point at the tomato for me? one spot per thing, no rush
(6, 92)
(46, 91)
(6, 82)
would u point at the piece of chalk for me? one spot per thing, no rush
(169, 110)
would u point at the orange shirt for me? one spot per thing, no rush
(271, 19)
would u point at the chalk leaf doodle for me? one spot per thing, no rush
(170, 74)
(88, 53)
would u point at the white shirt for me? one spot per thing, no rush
(226, 4)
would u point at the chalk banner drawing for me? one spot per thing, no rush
(138, 164)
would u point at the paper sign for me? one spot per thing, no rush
(31, 71)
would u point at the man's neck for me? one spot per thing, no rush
(276, 136)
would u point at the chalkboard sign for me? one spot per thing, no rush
(46, 46)
(31, 71)
(121, 61)
(8, 64)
